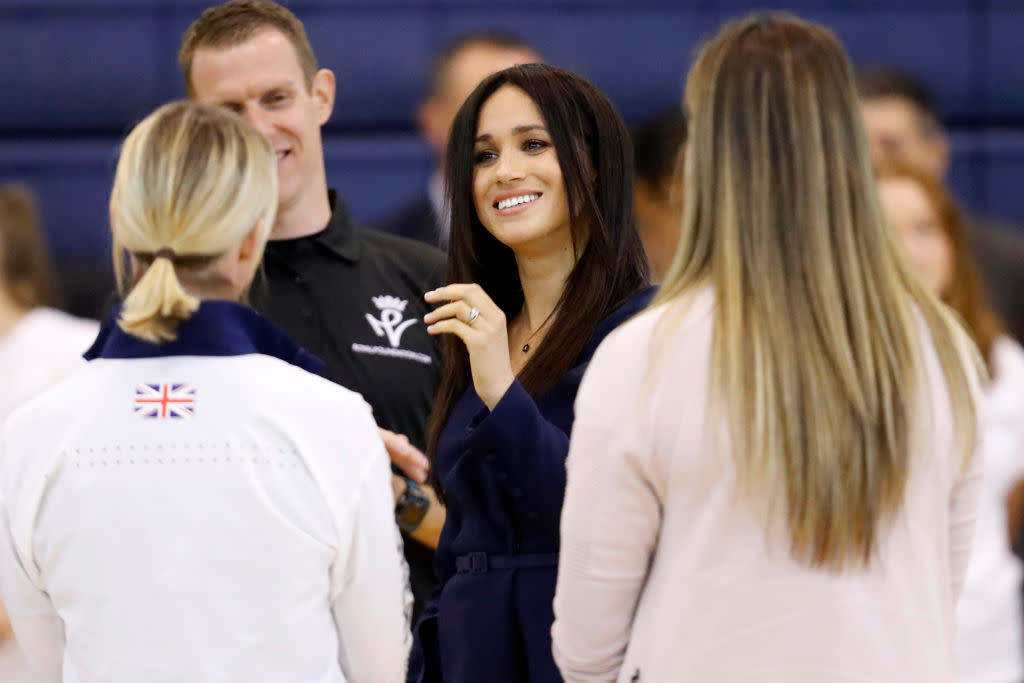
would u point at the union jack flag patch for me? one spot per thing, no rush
(165, 400)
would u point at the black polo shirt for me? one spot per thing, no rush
(354, 298)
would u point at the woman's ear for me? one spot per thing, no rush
(250, 249)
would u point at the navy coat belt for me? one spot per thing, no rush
(481, 563)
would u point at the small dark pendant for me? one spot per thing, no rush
(526, 347)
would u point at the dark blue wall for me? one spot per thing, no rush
(75, 75)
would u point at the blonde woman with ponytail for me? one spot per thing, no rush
(772, 474)
(196, 504)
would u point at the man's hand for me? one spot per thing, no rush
(405, 456)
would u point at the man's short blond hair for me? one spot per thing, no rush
(234, 22)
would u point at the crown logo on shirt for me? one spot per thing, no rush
(390, 324)
(393, 302)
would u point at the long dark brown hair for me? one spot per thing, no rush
(596, 158)
(965, 293)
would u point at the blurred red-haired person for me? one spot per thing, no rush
(933, 233)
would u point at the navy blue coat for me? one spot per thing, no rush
(503, 474)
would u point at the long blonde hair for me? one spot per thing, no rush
(816, 358)
(195, 180)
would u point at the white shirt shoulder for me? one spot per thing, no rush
(45, 346)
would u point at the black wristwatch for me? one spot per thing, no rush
(411, 507)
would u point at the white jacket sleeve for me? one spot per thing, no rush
(38, 628)
(370, 594)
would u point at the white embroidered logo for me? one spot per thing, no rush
(391, 323)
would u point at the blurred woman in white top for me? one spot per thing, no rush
(194, 504)
(772, 473)
(39, 345)
(989, 642)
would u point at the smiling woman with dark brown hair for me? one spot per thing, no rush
(544, 262)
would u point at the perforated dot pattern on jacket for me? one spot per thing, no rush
(182, 454)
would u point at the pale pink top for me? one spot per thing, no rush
(666, 575)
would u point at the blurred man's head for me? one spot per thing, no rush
(902, 121)
(456, 71)
(253, 57)
(659, 145)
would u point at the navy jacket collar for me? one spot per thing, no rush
(633, 305)
(218, 328)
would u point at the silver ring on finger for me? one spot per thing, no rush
(474, 313)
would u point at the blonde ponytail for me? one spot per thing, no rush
(156, 304)
(192, 182)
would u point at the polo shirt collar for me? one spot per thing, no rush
(218, 328)
(340, 236)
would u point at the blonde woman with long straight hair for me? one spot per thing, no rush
(772, 472)
(195, 504)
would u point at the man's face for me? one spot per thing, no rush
(468, 67)
(262, 80)
(895, 132)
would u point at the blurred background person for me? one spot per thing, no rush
(989, 644)
(39, 345)
(68, 105)
(903, 124)
(545, 261)
(772, 473)
(659, 145)
(233, 521)
(455, 71)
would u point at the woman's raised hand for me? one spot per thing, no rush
(480, 324)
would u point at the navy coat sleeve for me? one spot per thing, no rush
(526, 450)
(526, 441)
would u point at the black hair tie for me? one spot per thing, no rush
(164, 252)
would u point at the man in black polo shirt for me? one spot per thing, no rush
(352, 296)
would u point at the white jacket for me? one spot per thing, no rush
(42, 348)
(213, 513)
